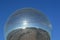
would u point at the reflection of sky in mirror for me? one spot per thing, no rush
(27, 17)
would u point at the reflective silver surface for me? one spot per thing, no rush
(28, 34)
(27, 18)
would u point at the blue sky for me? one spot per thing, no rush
(51, 8)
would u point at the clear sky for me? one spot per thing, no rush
(51, 8)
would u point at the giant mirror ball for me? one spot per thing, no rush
(27, 24)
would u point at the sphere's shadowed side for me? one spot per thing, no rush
(28, 34)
